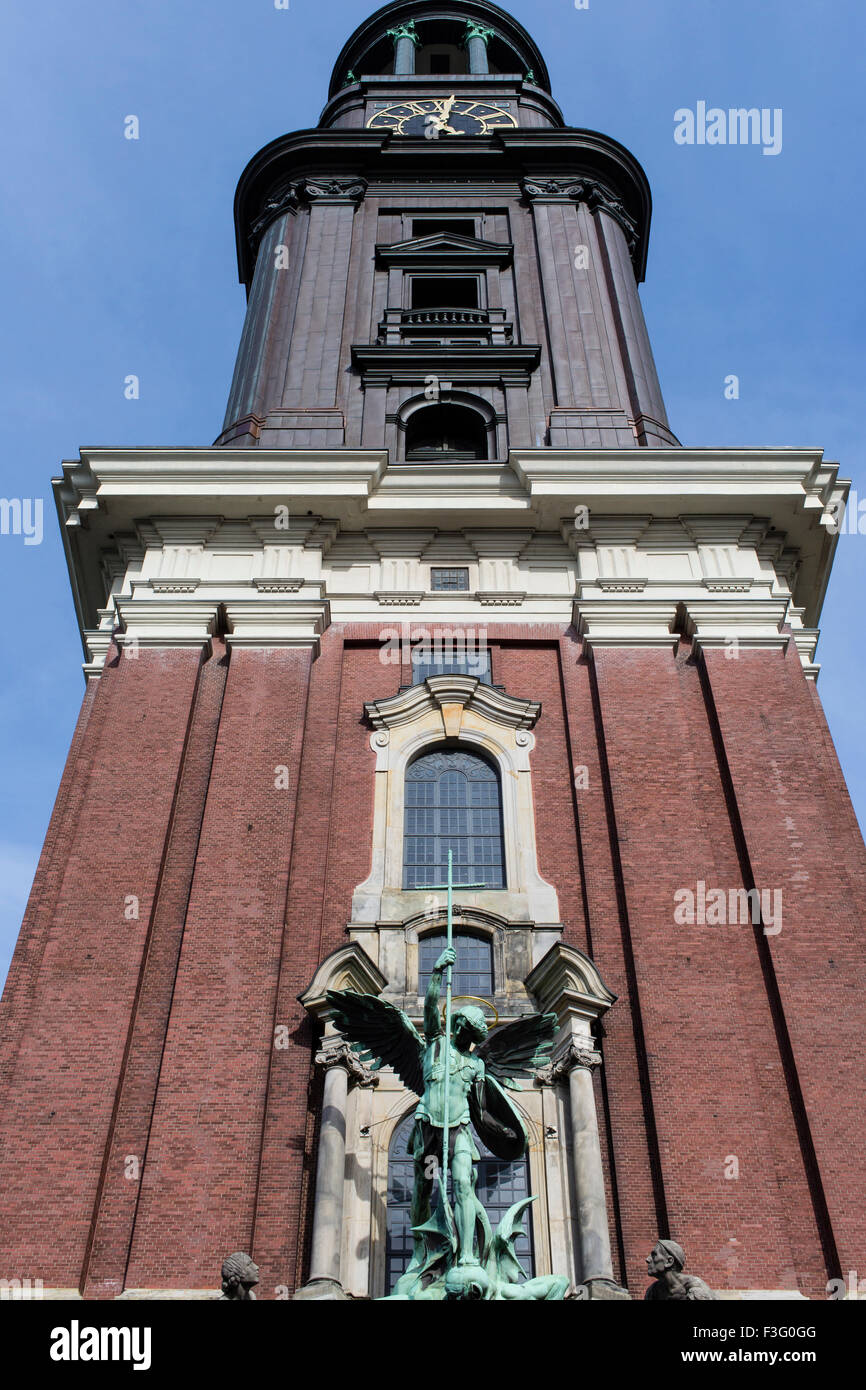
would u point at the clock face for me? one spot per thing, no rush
(441, 117)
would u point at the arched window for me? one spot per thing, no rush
(500, 1184)
(472, 972)
(445, 432)
(453, 801)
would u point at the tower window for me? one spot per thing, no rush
(457, 659)
(458, 293)
(443, 431)
(429, 226)
(472, 972)
(453, 802)
(448, 580)
(440, 62)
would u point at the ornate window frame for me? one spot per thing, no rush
(454, 709)
(466, 401)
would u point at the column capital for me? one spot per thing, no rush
(337, 1053)
(594, 195)
(404, 31)
(327, 190)
(576, 1054)
(474, 30)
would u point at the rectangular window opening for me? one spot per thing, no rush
(447, 580)
(442, 293)
(429, 226)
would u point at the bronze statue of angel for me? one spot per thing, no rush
(482, 1066)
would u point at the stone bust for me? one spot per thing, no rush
(239, 1275)
(665, 1265)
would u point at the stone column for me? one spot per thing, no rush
(405, 42)
(567, 983)
(577, 1063)
(339, 1063)
(595, 1254)
(475, 40)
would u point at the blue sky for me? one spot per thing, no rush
(118, 257)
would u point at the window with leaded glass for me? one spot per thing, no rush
(447, 579)
(450, 658)
(452, 802)
(472, 972)
(500, 1184)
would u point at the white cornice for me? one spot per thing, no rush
(218, 503)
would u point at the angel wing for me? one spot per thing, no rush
(381, 1034)
(519, 1048)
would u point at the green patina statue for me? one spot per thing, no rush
(461, 1085)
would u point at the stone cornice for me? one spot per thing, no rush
(767, 506)
(444, 692)
(489, 362)
(505, 157)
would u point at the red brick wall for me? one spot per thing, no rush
(155, 1038)
(117, 1200)
(198, 1188)
(799, 838)
(71, 1030)
(705, 1099)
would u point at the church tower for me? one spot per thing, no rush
(445, 582)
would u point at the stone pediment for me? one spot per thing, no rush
(566, 982)
(453, 695)
(444, 247)
(349, 967)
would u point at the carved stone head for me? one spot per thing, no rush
(239, 1275)
(665, 1255)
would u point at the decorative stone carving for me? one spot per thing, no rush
(340, 1054)
(443, 691)
(275, 585)
(404, 31)
(239, 1276)
(575, 1055)
(665, 1264)
(349, 967)
(352, 190)
(288, 196)
(282, 198)
(596, 197)
(495, 599)
(474, 30)
(568, 982)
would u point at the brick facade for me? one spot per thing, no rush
(153, 1038)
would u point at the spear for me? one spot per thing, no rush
(443, 1186)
